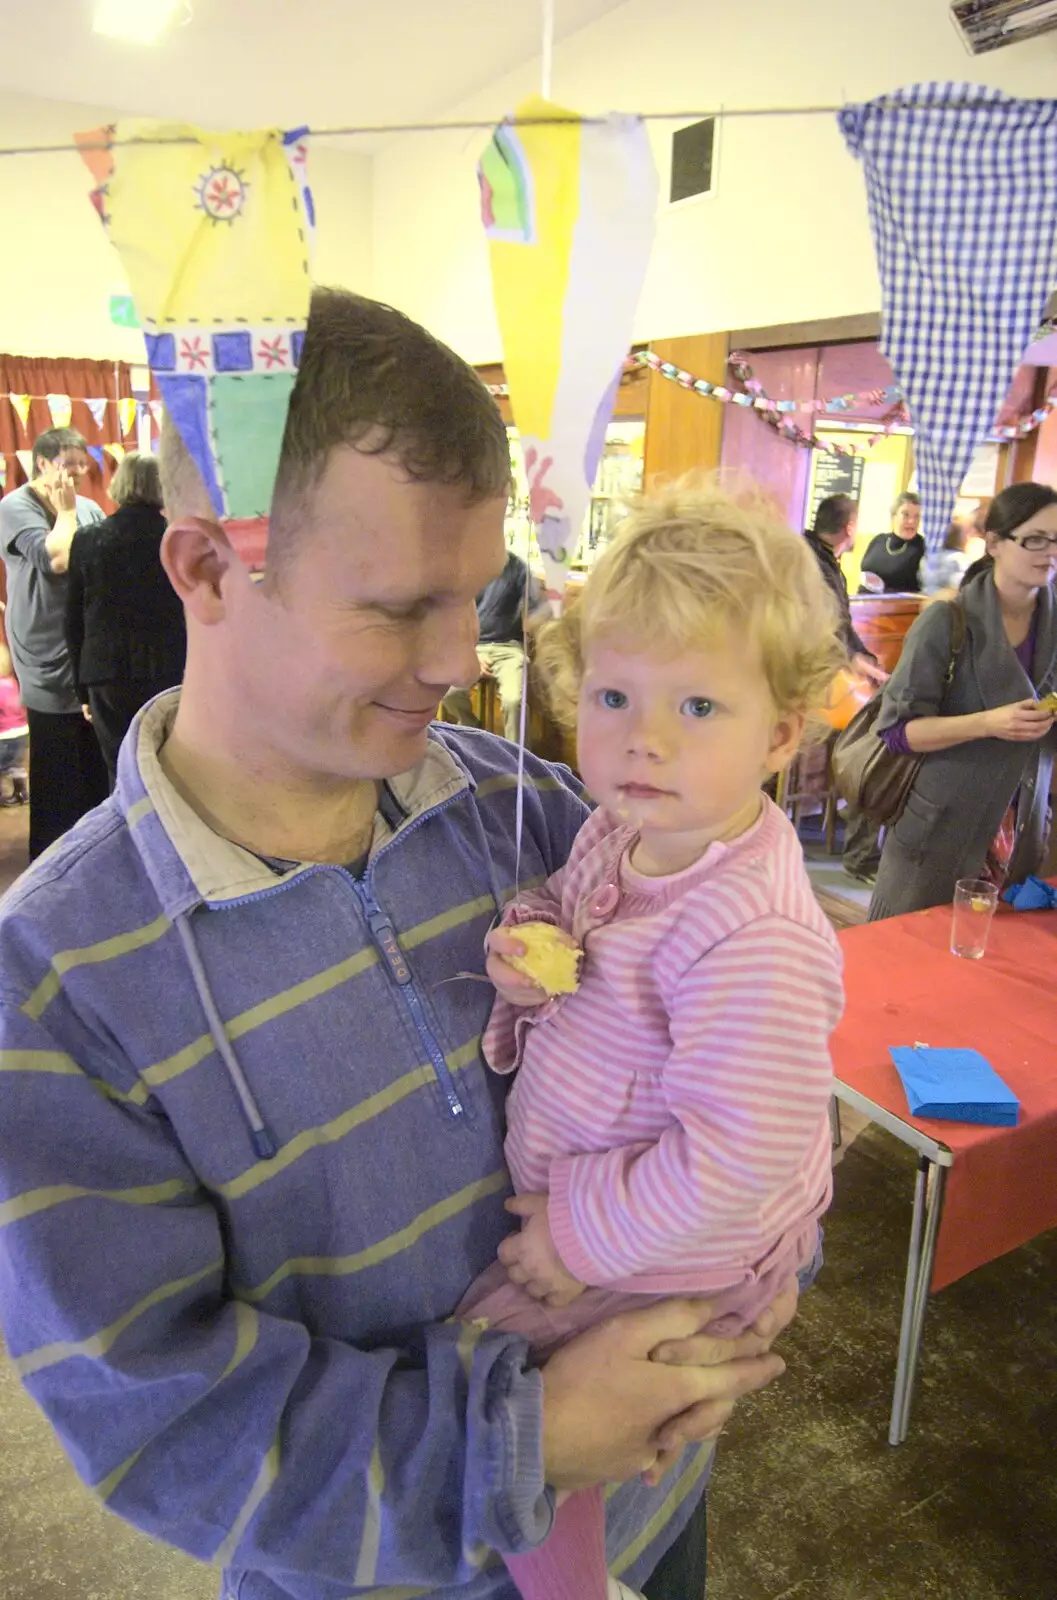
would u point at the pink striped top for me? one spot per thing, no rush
(676, 1107)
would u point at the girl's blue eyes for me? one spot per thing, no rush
(695, 706)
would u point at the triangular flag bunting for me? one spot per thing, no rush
(61, 410)
(98, 409)
(569, 208)
(25, 461)
(21, 405)
(3, 473)
(115, 450)
(213, 231)
(96, 453)
(157, 411)
(126, 411)
(962, 188)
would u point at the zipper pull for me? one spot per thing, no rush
(384, 935)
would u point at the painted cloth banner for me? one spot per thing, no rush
(61, 409)
(570, 212)
(214, 234)
(962, 190)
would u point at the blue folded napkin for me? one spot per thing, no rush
(955, 1086)
(1031, 895)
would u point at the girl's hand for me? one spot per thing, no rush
(531, 1259)
(1020, 723)
(511, 985)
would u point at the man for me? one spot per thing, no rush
(833, 534)
(502, 610)
(250, 1155)
(37, 527)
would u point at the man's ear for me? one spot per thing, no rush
(197, 557)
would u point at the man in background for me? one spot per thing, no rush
(37, 527)
(502, 610)
(833, 534)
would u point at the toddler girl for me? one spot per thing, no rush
(668, 1127)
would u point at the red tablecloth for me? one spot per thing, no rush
(904, 987)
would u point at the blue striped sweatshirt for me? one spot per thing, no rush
(250, 1160)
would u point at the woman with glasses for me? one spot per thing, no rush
(965, 697)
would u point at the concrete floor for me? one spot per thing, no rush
(808, 1500)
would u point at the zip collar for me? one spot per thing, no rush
(189, 864)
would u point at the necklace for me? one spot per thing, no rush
(900, 543)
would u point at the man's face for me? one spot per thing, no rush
(340, 660)
(74, 464)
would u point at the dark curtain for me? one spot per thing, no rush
(78, 379)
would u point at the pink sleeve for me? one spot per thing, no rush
(500, 1045)
(747, 1082)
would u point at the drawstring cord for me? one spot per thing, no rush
(263, 1138)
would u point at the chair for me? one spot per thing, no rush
(794, 789)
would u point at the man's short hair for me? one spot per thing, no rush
(834, 514)
(373, 379)
(49, 446)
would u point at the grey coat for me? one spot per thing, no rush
(960, 796)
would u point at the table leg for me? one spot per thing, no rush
(929, 1191)
(834, 1122)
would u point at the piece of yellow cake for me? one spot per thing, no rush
(552, 963)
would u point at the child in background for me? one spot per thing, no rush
(14, 735)
(668, 1126)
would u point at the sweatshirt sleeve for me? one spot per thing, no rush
(234, 1435)
(746, 1083)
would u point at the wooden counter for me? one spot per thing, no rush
(883, 621)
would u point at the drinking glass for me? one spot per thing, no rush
(974, 905)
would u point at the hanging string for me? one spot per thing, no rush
(488, 125)
(547, 72)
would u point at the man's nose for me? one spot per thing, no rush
(449, 658)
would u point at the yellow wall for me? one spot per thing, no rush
(888, 465)
(785, 238)
(57, 269)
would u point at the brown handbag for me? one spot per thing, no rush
(865, 772)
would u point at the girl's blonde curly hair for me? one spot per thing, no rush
(689, 566)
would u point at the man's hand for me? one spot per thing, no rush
(610, 1412)
(61, 492)
(531, 1259)
(867, 667)
(702, 1351)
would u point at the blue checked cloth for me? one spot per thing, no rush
(962, 189)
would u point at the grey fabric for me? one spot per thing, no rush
(36, 602)
(960, 796)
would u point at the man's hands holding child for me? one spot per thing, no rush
(628, 1396)
(510, 984)
(531, 1259)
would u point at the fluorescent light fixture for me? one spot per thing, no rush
(141, 21)
(1028, 19)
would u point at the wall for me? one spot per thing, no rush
(784, 239)
(57, 269)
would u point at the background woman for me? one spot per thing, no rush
(124, 625)
(892, 561)
(980, 801)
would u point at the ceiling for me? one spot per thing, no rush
(328, 62)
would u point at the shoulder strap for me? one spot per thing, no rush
(958, 630)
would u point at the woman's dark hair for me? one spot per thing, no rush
(1009, 511)
(834, 514)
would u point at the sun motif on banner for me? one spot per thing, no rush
(222, 194)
